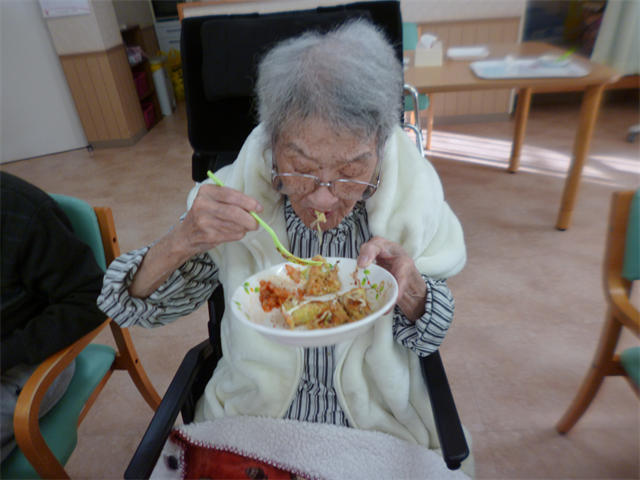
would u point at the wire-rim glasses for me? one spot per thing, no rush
(301, 184)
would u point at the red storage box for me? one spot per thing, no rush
(140, 79)
(149, 114)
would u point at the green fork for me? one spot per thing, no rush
(283, 251)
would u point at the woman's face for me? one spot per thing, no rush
(315, 148)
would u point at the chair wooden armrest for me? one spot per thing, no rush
(625, 312)
(127, 359)
(46, 443)
(25, 422)
(620, 313)
(616, 287)
(108, 233)
(617, 293)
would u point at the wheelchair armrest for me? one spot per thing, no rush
(151, 445)
(452, 441)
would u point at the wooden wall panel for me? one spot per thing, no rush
(464, 103)
(495, 33)
(126, 89)
(475, 103)
(111, 91)
(102, 87)
(91, 98)
(469, 35)
(123, 79)
(473, 32)
(102, 96)
(84, 112)
(482, 34)
(502, 100)
(511, 30)
(450, 103)
(488, 101)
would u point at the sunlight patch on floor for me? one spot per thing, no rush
(619, 164)
(496, 153)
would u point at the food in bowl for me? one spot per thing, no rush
(321, 279)
(301, 305)
(346, 308)
(380, 289)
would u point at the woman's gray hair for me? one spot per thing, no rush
(349, 77)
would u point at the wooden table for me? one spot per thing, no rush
(456, 76)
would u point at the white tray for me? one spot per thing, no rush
(467, 53)
(525, 68)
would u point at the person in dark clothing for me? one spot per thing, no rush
(50, 282)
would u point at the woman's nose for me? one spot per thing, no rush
(322, 199)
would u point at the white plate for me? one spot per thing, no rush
(467, 53)
(525, 68)
(246, 306)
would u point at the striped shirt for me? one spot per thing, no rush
(191, 285)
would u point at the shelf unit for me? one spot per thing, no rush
(168, 33)
(132, 37)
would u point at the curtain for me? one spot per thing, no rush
(618, 42)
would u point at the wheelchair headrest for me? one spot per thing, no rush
(232, 45)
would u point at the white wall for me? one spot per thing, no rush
(37, 113)
(134, 12)
(96, 32)
(418, 11)
(426, 11)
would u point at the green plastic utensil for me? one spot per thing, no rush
(283, 251)
(566, 54)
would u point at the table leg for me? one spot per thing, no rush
(522, 114)
(586, 123)
(429, 121)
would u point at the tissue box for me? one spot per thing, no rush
(428, 57)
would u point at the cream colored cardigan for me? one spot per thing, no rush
(378, 381)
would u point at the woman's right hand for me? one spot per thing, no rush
(218, 215)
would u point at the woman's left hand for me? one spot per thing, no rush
(412, 289)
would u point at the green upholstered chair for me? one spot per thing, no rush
(409, 43)
(46, 444)
(621, 268)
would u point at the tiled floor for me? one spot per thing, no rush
(529, 302)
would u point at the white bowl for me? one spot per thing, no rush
(246, 306)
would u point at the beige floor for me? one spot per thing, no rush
(529, 301)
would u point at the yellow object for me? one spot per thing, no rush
(173, 59)
(156, 63)
(174, 67)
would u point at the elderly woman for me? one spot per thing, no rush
(329, 141)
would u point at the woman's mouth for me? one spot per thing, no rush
(326, 214)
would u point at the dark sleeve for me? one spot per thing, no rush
(61, 272)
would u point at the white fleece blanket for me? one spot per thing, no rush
(311, 450)
(378, 382)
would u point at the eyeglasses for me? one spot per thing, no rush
(301, 184)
